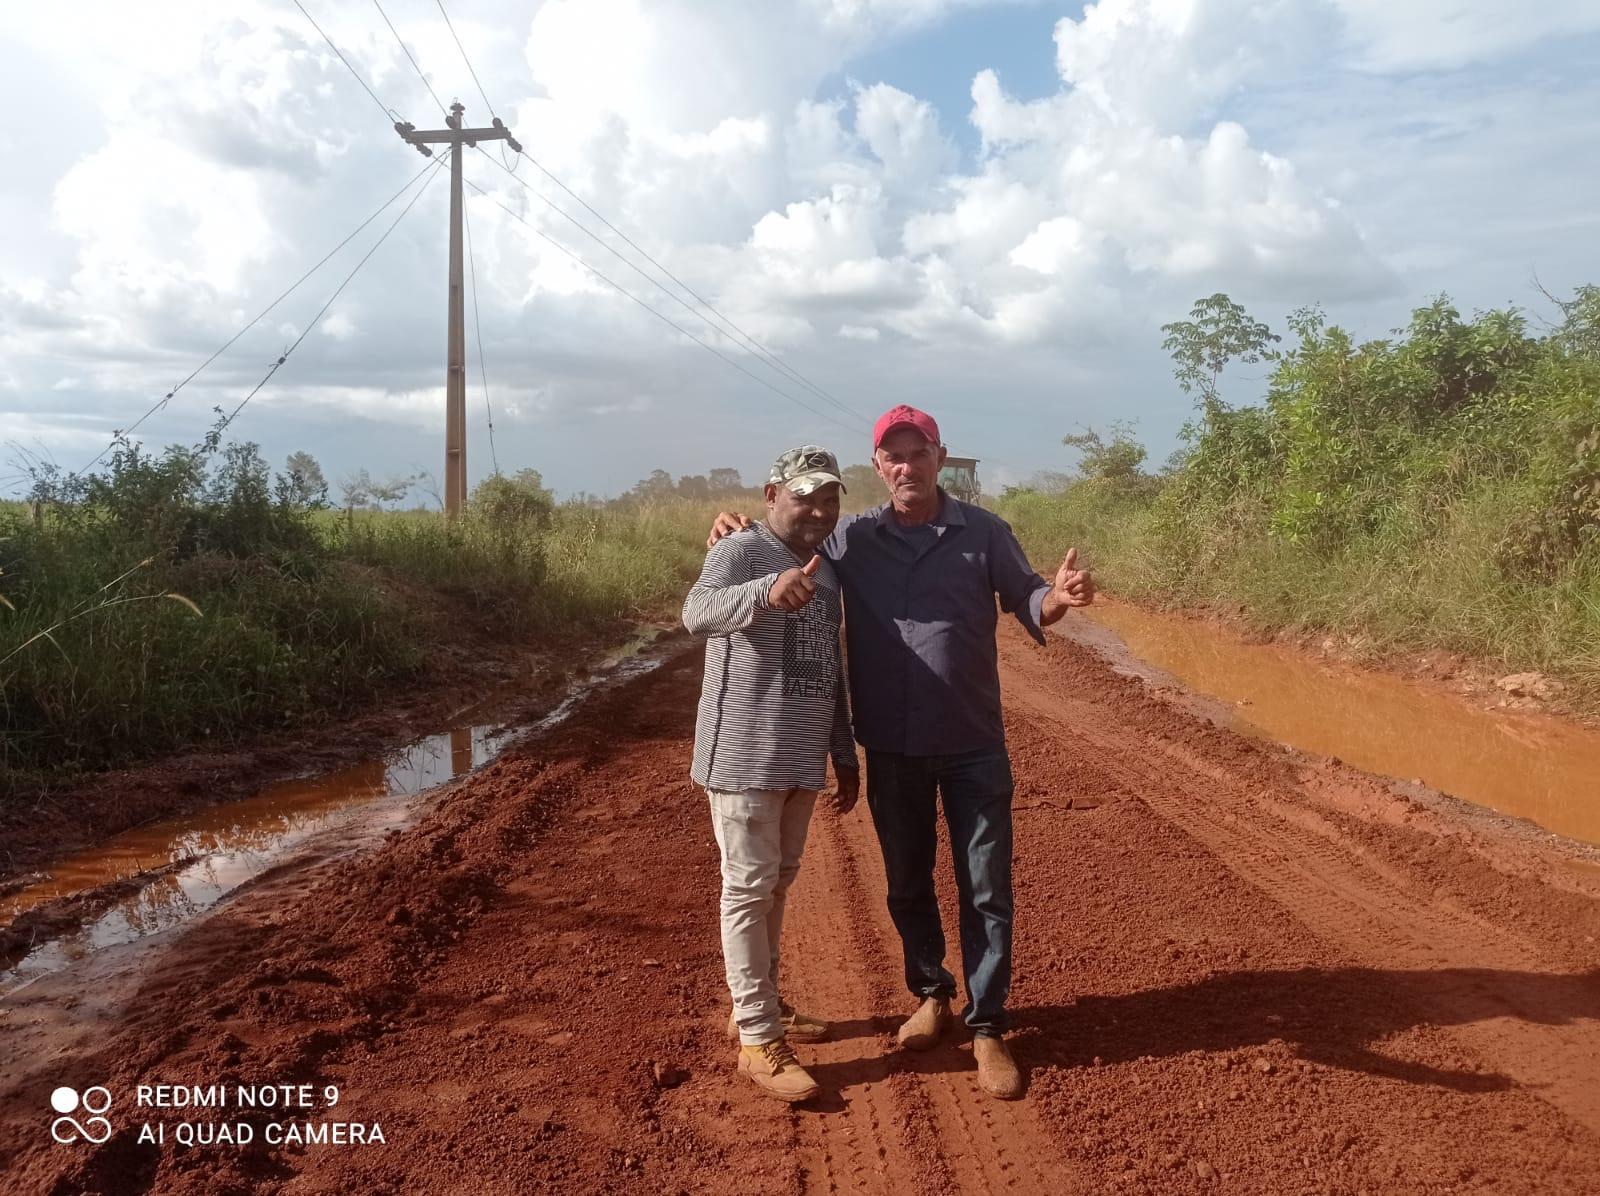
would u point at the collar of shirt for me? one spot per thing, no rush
(950, 515)
(761, 526)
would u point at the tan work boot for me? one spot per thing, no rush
(997, 1070)
(923, 1028)
(797, 1026)
(777, 1072)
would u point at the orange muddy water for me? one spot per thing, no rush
(205, 855)
(180, 867)
(1525, 764)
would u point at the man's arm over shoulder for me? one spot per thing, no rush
(1022, 591)
(728, 595)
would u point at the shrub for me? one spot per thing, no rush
(1440, 488)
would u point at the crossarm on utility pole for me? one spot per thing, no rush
(470, 136)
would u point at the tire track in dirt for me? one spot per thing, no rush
(1350, 900)
(999, 1146)
(974, 1143)
(874, 1128)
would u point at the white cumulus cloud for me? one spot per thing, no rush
(1007, 261)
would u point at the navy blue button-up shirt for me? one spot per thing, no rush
(920, 623)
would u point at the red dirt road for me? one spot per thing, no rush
(1235, 972)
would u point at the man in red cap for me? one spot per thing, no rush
(920, 576)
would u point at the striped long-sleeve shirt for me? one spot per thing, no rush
(772, 705)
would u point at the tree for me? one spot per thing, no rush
(360, 490)
(1579, 333)
(393, 490)
(724, 479)
(1112, 465)
(425, 481)
(1219, 331)
(303, 483)
(657, 485)
(694, 486)
(355, 489)
(1117, 461)
(520, 498)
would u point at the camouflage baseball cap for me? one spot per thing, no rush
(806, 468)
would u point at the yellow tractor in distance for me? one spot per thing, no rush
(959, 477)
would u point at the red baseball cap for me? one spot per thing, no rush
(904, 417)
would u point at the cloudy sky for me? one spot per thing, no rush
(984, 208)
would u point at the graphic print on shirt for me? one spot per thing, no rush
(809, 656)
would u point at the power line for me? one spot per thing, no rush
(668, 320)
(482, 94)
(414, 66)
(382, 107)
(465, 59)
(754, 344)
(764, 356)
(737, 333)
(477, 327)
(284, 356)
(166, 398)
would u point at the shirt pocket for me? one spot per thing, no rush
(955, 589)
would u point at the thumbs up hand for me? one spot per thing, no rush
(794, 587)
(1074, 586)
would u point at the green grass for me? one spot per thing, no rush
(1445, 589)
(304, 624)
(587, 566)
(1440, 490)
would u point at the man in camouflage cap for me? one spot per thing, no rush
(805, 469)
(772, 710)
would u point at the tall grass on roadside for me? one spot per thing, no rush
(303, 611)
(1441, 490)
(115, 677)
(578, 566)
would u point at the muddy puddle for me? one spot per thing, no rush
(166, 873)
(1524, 764)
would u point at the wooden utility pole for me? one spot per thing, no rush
(455, 370)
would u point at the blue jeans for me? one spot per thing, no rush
(976, 788)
